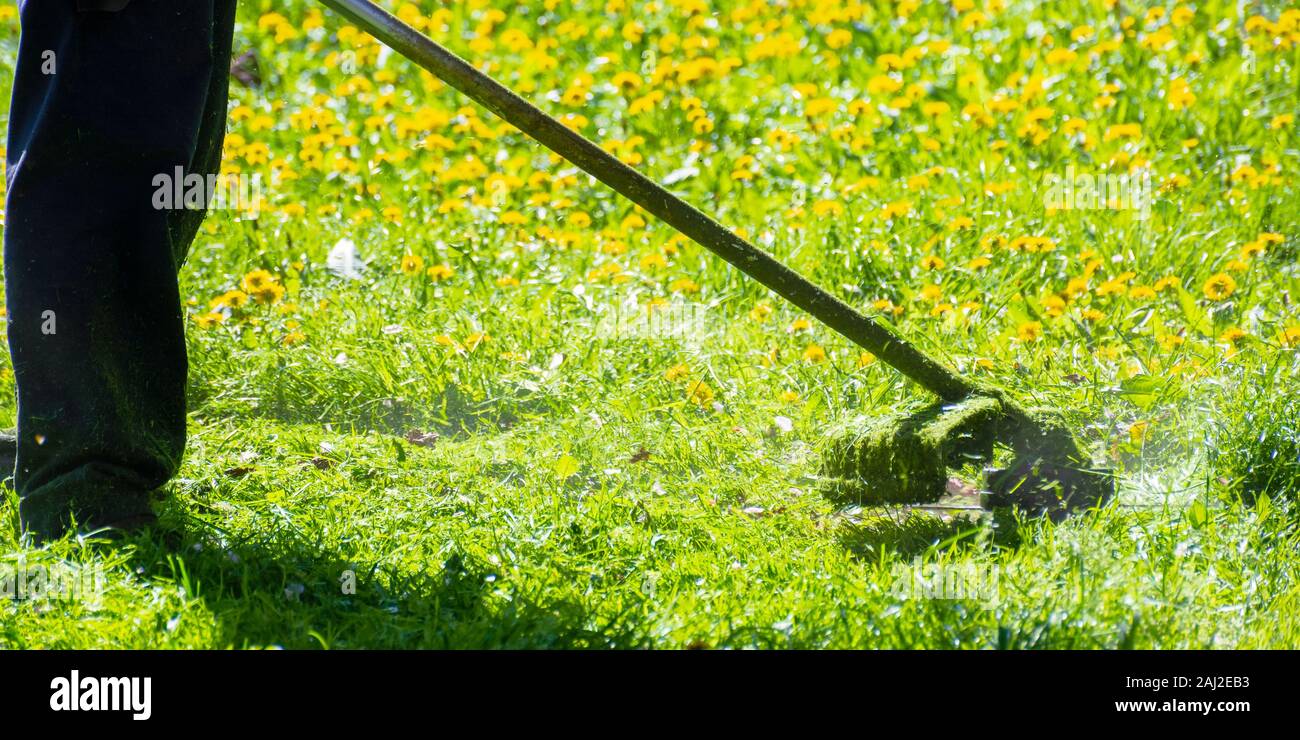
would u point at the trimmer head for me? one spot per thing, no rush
(905, 458)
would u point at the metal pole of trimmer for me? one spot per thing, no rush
(603, 166)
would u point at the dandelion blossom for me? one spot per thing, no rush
(699, 393)
(1219, 287)
(411, 264)
(1029, 331)
(438, 273)
(209, 319)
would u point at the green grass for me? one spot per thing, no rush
(584, 492)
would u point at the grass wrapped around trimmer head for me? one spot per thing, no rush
(904, 457)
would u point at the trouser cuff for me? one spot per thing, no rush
(94, 495)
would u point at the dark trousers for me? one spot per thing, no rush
(104, 101)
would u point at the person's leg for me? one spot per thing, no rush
(103, 102)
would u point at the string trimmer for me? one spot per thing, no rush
(894, 459)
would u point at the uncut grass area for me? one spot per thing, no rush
(447, 391)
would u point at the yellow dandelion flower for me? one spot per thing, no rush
(1219, 287)
(684, 285)
(270, 294)
(699, 393)
(1233, 335)
(438, 273)
(935, 108)
(1179, 94)
(1111, 287)
(839, 38)
(627, 81)
(411, 264)
(1122, 131)
(209, 319)
(676, 372)
(896, 210)
(1137, 431)
(1029, 331)
(1061, 56)
(257, 281)
(230, 299)
(820, 106)
(653, 261)
(825, 208)
(1075, 287)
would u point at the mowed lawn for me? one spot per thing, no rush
(447, 391)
